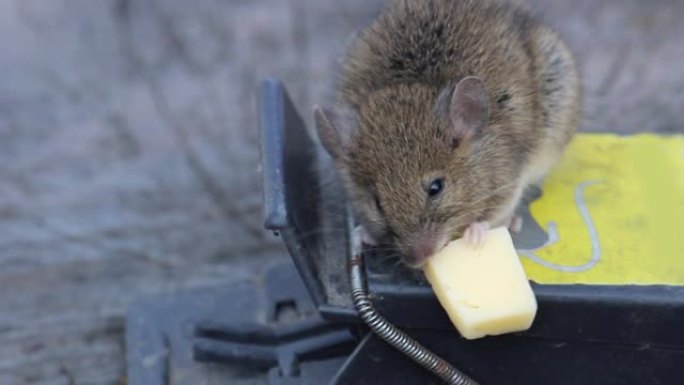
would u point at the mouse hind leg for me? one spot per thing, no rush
(558, 82)
(559, 99)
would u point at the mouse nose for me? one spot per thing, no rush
(423, 249)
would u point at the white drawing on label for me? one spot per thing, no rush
(552, 232)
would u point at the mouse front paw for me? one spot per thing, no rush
(475, 233)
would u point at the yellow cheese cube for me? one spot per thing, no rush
(484, 289)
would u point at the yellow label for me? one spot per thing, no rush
(613, 213)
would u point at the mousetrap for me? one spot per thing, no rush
(602, 245)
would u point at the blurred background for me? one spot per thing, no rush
(129, 147)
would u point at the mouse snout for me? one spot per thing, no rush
(429, 243)
(423, 249)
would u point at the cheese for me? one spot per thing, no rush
(483, 289)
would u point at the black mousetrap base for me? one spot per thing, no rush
(611, 301)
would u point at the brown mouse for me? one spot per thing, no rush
(446, 111)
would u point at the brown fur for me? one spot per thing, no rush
(397, 81)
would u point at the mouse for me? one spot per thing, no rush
(445, 111)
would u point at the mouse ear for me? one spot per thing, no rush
(469, 109)
(334, 130)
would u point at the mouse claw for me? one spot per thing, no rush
(515, 224)
(475, 233)
(361, 234)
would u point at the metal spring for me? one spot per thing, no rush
(395, 337)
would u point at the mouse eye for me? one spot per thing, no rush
(435, 187)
